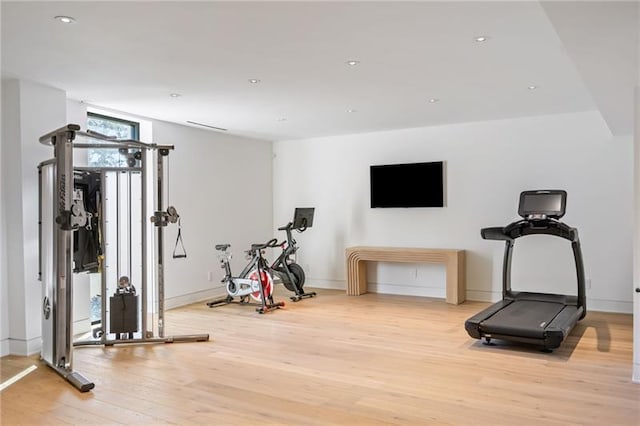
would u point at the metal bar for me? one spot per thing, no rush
(144, 165)
(119, 143)
(129, 231)
(249, 267)
(49, 138)
(108, 139)
(64, 277)
(577, 256)
(108, 169)
(112, 144)
(68, 254)
(39, 223)
(506, 268)
(168, 339)
(118, 269)
(160, 245)
(103, 275)
(76, 379)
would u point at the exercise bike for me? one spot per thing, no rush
(284, 268)
(255, 281)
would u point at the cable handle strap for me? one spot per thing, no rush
(180, 243)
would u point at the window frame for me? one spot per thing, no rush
(135, 126)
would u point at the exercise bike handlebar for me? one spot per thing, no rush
(286, 227)
(271, 243)
(289, 227)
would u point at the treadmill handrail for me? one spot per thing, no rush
(547, 226)
(525, 227)
(494, 233)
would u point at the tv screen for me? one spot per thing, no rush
(408, 185)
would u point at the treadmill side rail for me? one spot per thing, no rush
(561, 326)
(472, 325)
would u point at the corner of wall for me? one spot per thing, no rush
(25, 347)
(10, 131)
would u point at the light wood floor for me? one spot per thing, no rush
(372, 359)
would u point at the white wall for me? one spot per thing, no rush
(4, 285)
(636, 264)
(10, 131)
(221, 186)
(488, 165)
(29, 111)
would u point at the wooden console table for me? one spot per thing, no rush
(453, 259)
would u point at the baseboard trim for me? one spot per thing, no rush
(81, 326)
(197, 296)
(382, 288)
(25, 347)
(616, 306)
(328, 284)
(4, 347)
(483, 295)
(600, 305)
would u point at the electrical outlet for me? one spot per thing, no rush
(413, 274)
(210, 276)
(588, 283)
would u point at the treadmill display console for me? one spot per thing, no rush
(549, 203)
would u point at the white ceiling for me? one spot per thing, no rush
(130, 56)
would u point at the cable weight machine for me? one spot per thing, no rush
(95, 219)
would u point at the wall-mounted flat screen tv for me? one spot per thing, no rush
(408, 185)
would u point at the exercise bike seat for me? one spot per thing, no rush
(222, 247)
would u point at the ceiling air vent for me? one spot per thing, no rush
(207, 126)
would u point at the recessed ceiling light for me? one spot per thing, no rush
(351, 110)
(532, 87)
(175, 95)
(433, 100)
(65, 19)
(254, 80)
(353, 63)
(481, 39)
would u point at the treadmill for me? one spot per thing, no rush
(534, 318)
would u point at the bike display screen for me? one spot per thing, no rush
(303, 217)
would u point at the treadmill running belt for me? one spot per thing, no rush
(525, 318)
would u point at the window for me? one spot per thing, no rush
(110, 126)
